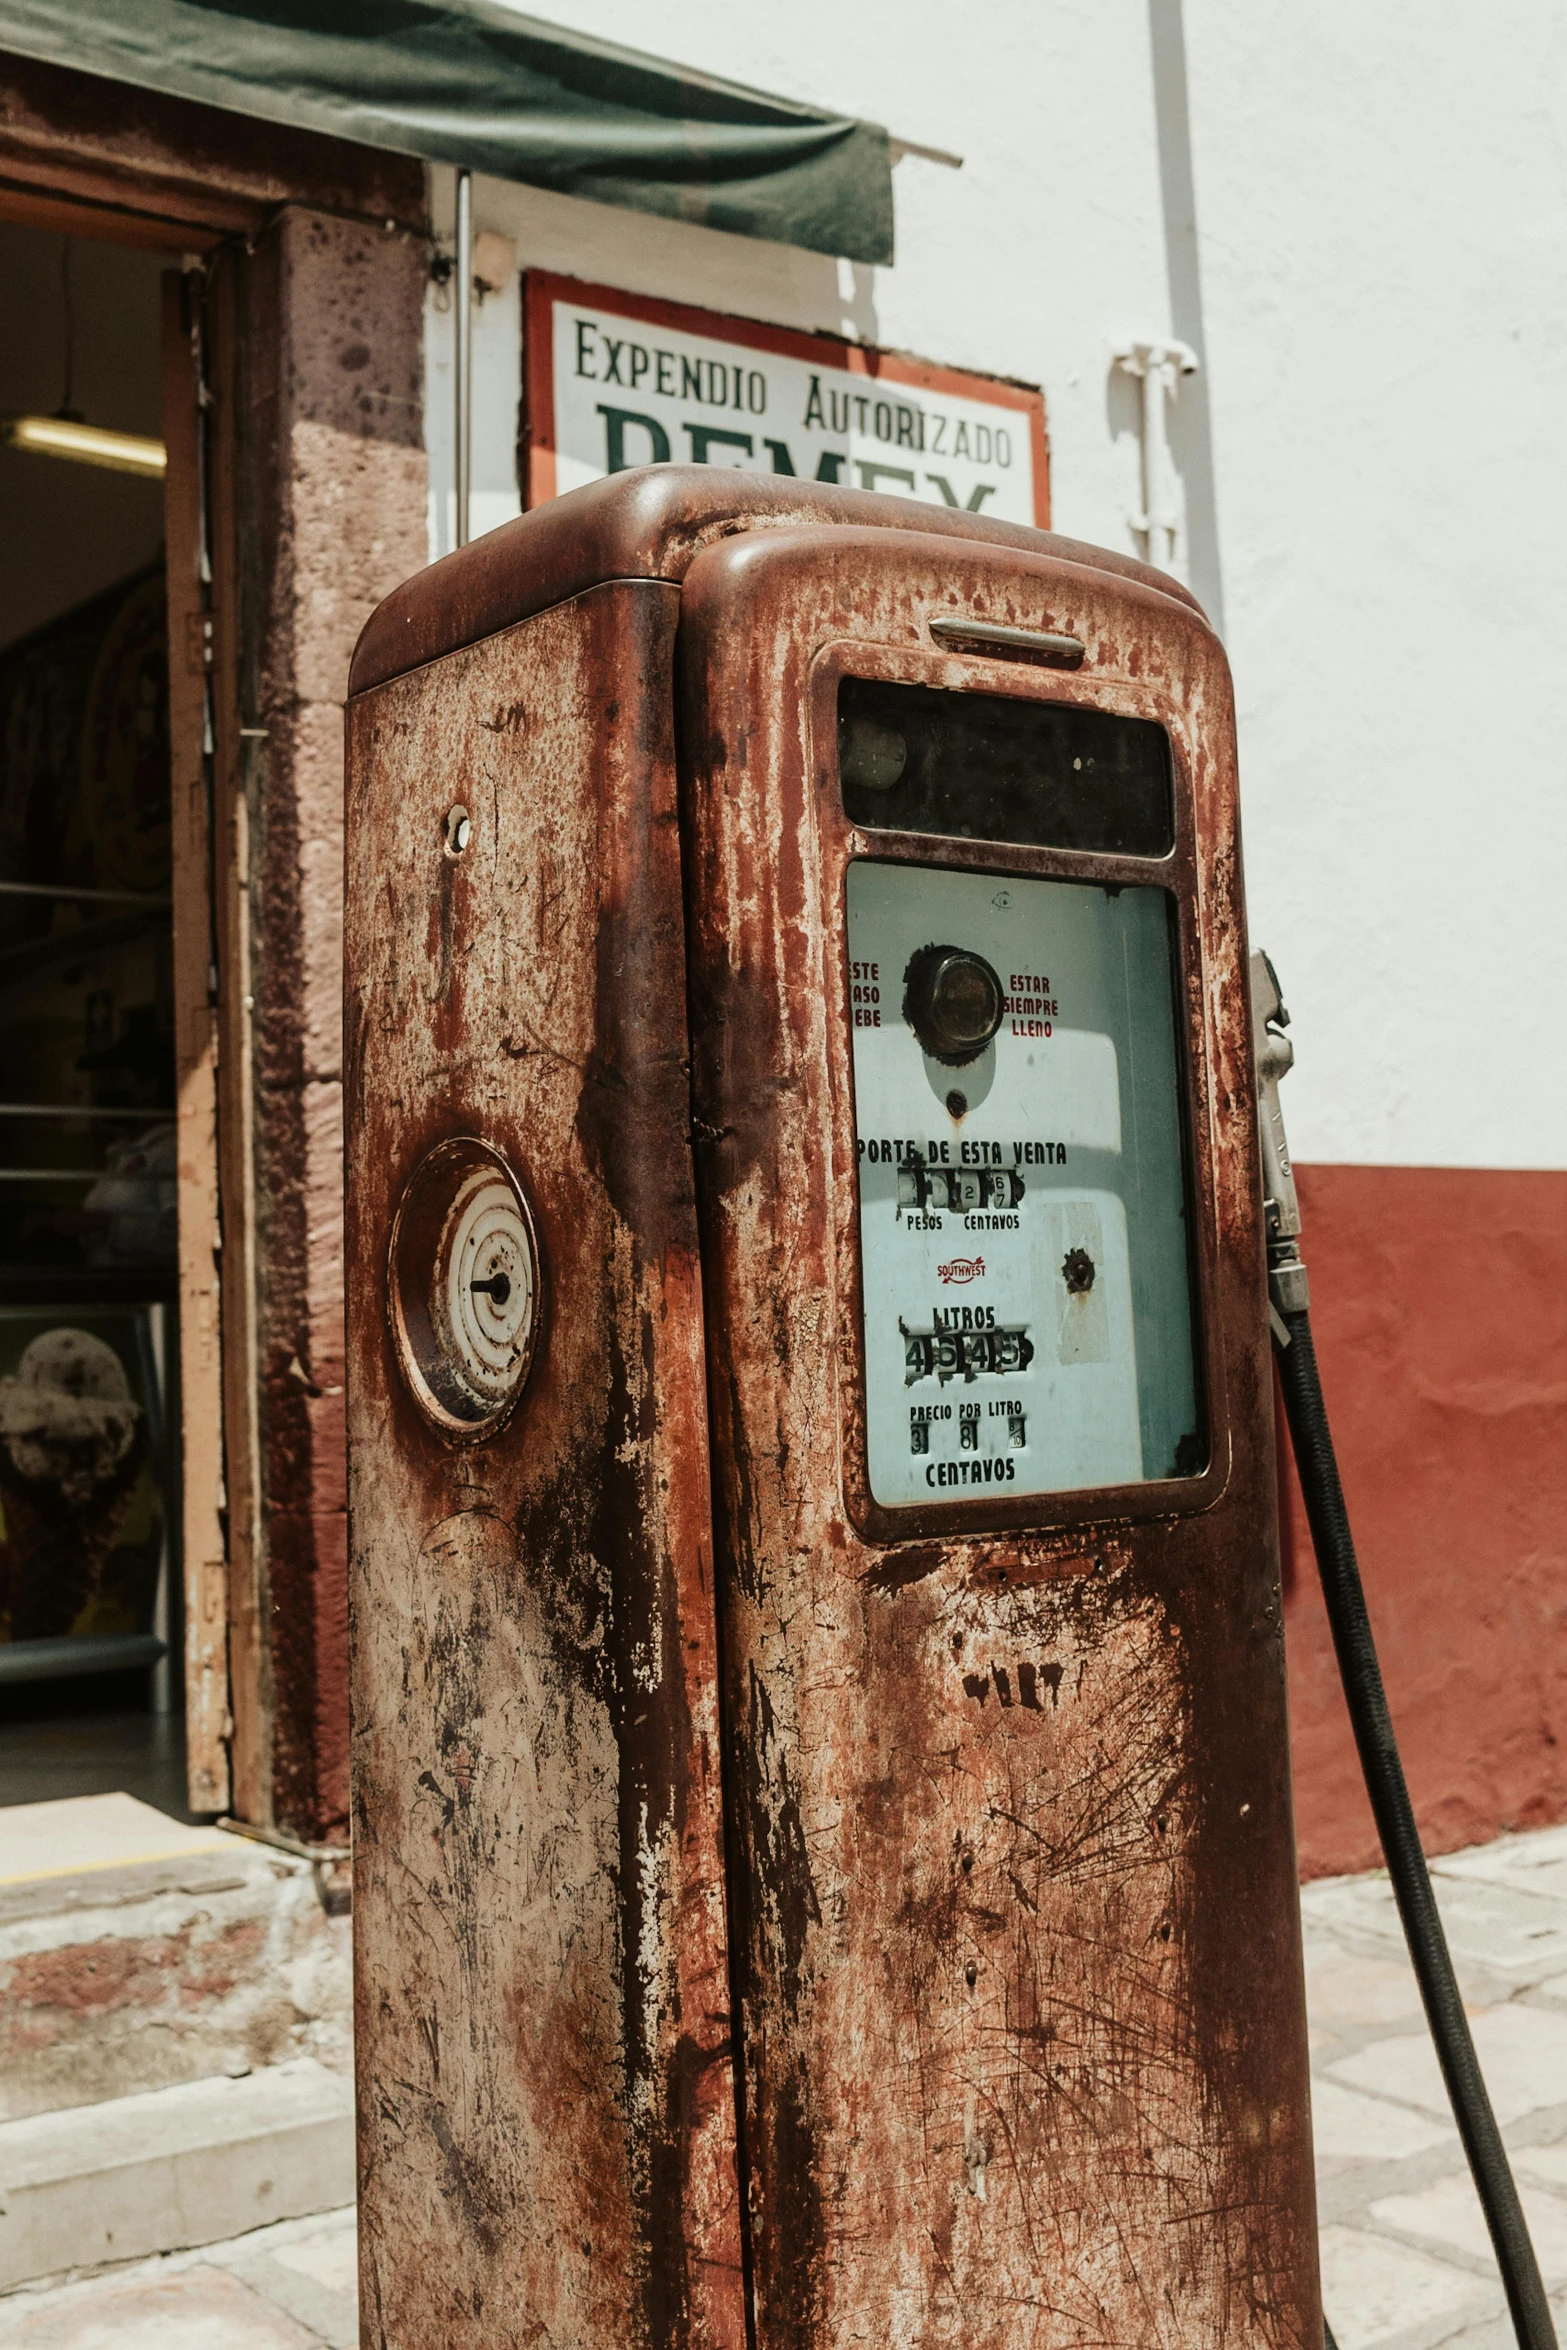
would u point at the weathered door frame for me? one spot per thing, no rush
(212, 1045)
(86, 157)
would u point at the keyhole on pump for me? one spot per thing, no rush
(465, 1287)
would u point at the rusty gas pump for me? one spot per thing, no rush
(824, 1864)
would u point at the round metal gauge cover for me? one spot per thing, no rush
(464, 1287)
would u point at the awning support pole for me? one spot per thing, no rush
(463, 372)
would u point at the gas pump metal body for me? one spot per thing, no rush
(972, 1812)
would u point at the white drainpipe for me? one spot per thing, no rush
(1160, 363)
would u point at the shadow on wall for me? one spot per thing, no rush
(1190, 422)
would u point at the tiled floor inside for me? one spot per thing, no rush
(1406, 2265)
(90, 1737)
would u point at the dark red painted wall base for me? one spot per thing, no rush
(1439, 1309)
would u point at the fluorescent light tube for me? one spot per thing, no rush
(85, 444)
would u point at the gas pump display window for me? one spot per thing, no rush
(1045, 775)
(1029, 1319)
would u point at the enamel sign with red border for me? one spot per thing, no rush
(617, 380)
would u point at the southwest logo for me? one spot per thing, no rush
(963, 1269)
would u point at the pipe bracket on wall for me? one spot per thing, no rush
(1159, 363)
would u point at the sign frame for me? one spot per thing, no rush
(542, 289)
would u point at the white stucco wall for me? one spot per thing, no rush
(1372, 461)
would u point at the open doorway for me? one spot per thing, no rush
(90, 1630)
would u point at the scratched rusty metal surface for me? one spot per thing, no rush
(1011, 1888)
(648, 524)
(1013, 1903)
(546, 2101)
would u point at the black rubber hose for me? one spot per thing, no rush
(1384, 1775)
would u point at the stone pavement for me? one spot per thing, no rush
(289, 2287)
(1406, 2264)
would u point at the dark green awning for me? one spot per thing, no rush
(471, 82)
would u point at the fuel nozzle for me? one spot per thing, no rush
(1288, 1289)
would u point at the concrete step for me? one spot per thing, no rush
(172, 2168)
(136, 1953)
